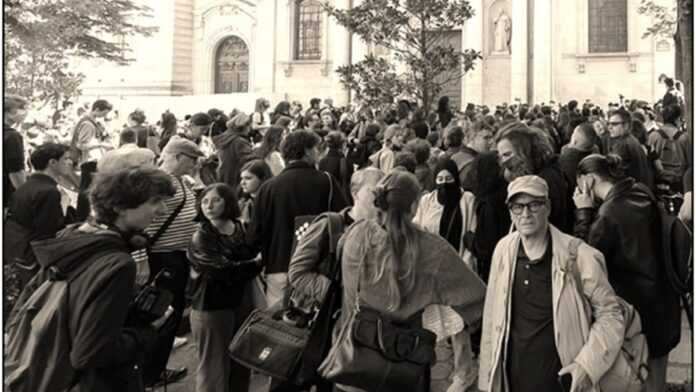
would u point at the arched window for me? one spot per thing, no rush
(232, 66)
(608, 26)
(308, 17)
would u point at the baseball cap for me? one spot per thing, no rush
(178, 145)
(530, 185)
(201, 119)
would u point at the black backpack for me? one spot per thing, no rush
(677, 253)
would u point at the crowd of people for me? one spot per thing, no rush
(514, 233)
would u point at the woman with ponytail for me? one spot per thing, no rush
(620, 217)
(400, 268)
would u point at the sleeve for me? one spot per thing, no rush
(310, 251)
(338, 200)
(14, 153)
(607, 331)
(85, 135)
(100, 340)
(583, 222)
(262, 211)
(49, 216)
(603, 237)
(456, 285)
(206, 256)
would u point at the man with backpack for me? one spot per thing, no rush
(671, 144)
(74, 327)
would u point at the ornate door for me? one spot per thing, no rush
(232, 66)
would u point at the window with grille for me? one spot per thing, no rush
(607, 27)
(308, 17)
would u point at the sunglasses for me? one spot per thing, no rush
(613, 124)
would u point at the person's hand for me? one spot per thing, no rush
(583, 196)
(157, 324)
(581, 381)
(686, 211)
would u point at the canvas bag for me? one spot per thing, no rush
(37, 357)
(629, 371)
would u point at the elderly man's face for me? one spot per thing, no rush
(529, 214)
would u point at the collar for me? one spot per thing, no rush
(620, 188)
(299, 164)
(43, 177)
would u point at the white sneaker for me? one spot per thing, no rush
(178, 342)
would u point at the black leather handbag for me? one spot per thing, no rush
(376, 353)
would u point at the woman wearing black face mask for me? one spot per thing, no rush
(449, 211)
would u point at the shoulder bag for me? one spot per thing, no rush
(376, 353)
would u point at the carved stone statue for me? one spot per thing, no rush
(502, 31)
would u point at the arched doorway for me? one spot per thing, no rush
(232, 66)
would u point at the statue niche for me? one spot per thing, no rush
(502, 33)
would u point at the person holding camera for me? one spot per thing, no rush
(222, 267)
(109, 337)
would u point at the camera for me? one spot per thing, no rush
(152, 301)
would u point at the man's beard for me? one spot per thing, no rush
(515, 168)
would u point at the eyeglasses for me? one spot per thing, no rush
(533, 206)
(613, 124)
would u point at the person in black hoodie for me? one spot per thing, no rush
(336, 163)
(107, 351)
(234, 149)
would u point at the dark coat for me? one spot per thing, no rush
(561, 196)
(234, 150)
(331, 164)
(35, 214)
(626, 230)
(222, 266)
(569, 160)
(104, 351)
(298, 190)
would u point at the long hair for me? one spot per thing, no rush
(271, 141)
(530, 143)
(394, 197)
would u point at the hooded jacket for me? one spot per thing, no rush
(234, 150)
(105, 353)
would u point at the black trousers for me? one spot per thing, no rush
(87, 171)
(179, 265)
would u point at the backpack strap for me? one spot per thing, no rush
(663, 134)
(171, 217)
(677, 135)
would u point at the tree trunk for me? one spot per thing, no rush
(686, 29)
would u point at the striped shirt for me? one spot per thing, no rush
(179, 233)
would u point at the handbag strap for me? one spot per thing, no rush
(171, 217)
(330, 190)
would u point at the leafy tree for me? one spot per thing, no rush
(414, 32)
(41, 36)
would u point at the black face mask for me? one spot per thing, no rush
(448, 193)
(396, 148)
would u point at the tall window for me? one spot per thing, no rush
(308, 15)
(608, 31)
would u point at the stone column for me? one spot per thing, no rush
(472, 38)
(543, 48)
(340, 54)
(518, 58)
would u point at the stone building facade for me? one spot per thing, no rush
(533, 50)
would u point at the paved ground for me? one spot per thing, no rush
(679, 372)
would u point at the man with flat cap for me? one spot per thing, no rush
(179, 158)
(532, 338)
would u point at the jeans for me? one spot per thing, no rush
(212, 332)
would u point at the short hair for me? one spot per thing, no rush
(369, 176)
(45, 152)
(101, 105)
(228, 194)
(639, 116)
(13, 102)
(128, 135)
(295, 144)
(420, 149)
(455, 137)
(624, 114)
(127, 189)
(259, 168)
(138, 116)
(669, 82)
(588, 132)
(572, 105)
(671, 113)
(335, 139)
(407, 160)
(314, 101)
(433, 138)
(639, 131)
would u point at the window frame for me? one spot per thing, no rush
(601, 42)
(298, 6)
